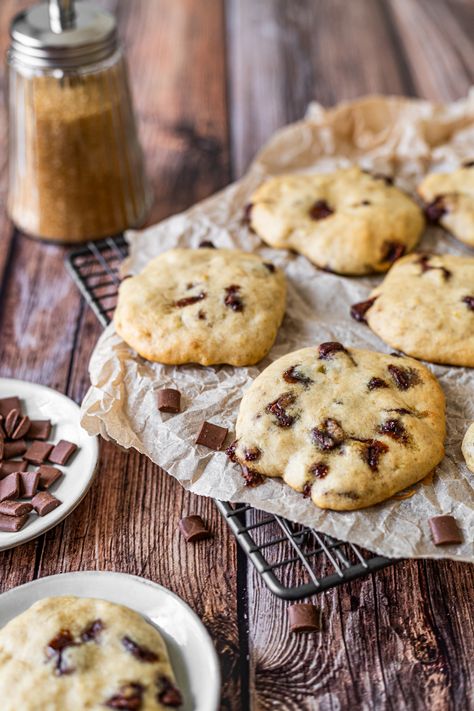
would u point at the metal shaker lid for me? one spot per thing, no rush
(62, 34)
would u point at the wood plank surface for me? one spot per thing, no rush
(211, 81)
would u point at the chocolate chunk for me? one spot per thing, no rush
(14, 465)
(14, 449)
(11, 524)
(129, 698)
(92, 632)
(307, 490)
(304, 617)
(468, 164)
(143, 654)
(270, 267)
(251, 476)
(55, 648)
(292, 375)
(469, 300)
(319, 470)
(169, 400)
(202, 315)
(359, 310)
(47, 476)
(394, 429)
(252, 454)
(37, 452)
(189, 300)
(29, 484)
(230, 451)
(424, 262)
(373, 452)
(62, 452)
(278, 407)
(444, 530)
(9, 403)
(207, 244)
(376, 383)
(329, 435)
(44, 503)
(327, 350)
(212, 436)
(393, 251)
(232, 298)
(39, 429)
(404, 378)
(365, 202)
(11, 421)
(320, 210)
(247, 216)
(435, 210)
(168, 694)
(15, 508)
(10, 487)
(21, 429)
(193, 528)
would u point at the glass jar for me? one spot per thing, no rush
(75, 164)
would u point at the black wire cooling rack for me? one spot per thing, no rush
(294, 561)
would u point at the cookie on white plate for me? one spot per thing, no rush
(425, 308)
(468, 447)
(347, 427)
(204, 306)
(76, 654)
(349, 221)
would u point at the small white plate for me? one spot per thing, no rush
(42, 403)
(191, 650)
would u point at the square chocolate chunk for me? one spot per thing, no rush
(9, 403)
(13, 449)
(62, 452)
(29, 484)
(14, 465)
(15, 508)
(37, 452)
(39, 429)
(11, 524)
(169, 400)
(44, 502)
(48, 475)
(444, 530)
(212, 436)
(193, 528)
(10, 487)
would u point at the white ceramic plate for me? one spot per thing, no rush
(42, 403)
(191, 651)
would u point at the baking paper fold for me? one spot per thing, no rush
(401, 137)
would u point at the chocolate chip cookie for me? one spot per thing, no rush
(425, 308)
(349, 221)
(74, 654)
(346, 427)
(468, 447)
(449, 201)
(203, 306)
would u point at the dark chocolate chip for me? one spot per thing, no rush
(404, 378)
(435, 210)
(37, 452)
(444, 530)
(143, 654)
(376, 383)
(207, 244)
(247, 217)
(169, 400)
(55, 648)
(271, 267)
(327, 350)
(9, 403)
(251, 476)
(304, 617)
(393, 251)
(230, 451)
(44, 503)
(320, 210)
(62, 452)
(424, 262)
(189, 300)
(394, 429)
(29, 484)
(373, 451)
(232, 298)
(193, 528)
(319, 470)
(168, 694)
(15, 508)
(47, 476)
(468, 164)
(293, 375)
(359, 310)
(12, 524)
(307, 489)
(10, 487)
(129, 698)
(202, 315)
(92, 632)
(211, 436)
(278, 408)
(329, 435)
(388, 180)
(252, 454)
(469, 300)
(39, 429)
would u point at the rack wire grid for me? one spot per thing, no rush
(294, 561)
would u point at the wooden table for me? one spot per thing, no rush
(212, 80)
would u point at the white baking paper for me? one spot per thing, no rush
(400, 137)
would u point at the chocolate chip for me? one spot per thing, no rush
(211, 436)
(329, 435)
(15, 465)
(37, 452)
(47, 476)
(469, 300)
(327, 350)
(468, 164)
(424, 262)
(202, 315)
(404, 378)
(232, 298)
(55, 648)
(15, 508)
(169, 400)
(129, 698)
(44, 503)
(251, 476)
(143, 654)
(307, 489)
(39, 429)
(319, 470)
(230, 451)
(278, 407)
(62, 452)
(29, 483)
(373, 452)
(11, 421)
(10, 487)
(376, 383)
(366, 202)
(252, 454)
(435, 210)
(189, 300)
(292, 375)
(394, 429)
(168, 694)
(12, 524)
(320, 210)
(359, 310)
(193, 528)
(92, 632)
(444, 530)
(393, 251)
(14, 449)
(304, 617)
(9, 403)
(247, 217)
(271, 267)
(207, 244)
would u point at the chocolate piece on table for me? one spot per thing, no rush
(169, 400)
(15, 508)
(212, 436)
(304, 617)
(9, 403)
(444, 530)
(38, 452)
(10, 487)
(39, 429)
(47, 476)
(62, 452)
(44, 502)
(22, 427)
(11, 524)
(11, 421)
(193, 528)
(29, 484)
(14, 449)
(14, 465)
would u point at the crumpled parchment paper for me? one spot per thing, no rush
(392, 135)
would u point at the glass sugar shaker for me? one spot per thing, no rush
(75, 164)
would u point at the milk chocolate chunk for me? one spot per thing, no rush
(37, 452)
(15, 508)
(129, 698)
(92, 632)
(9, 403)
(62, 452)
(143, 654)
(39, 429)
(10, 487)
(169, 400)
(251, 476)
(44, 503)
(359, 310)
(304, 617)
(168, 694)
(29, 484)
(47, 476)
(444, 530)
(211, 436)
(193, 528)
(14, 449)
(11, 421)
(21, 429)
(14, 465)
(11, 524)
